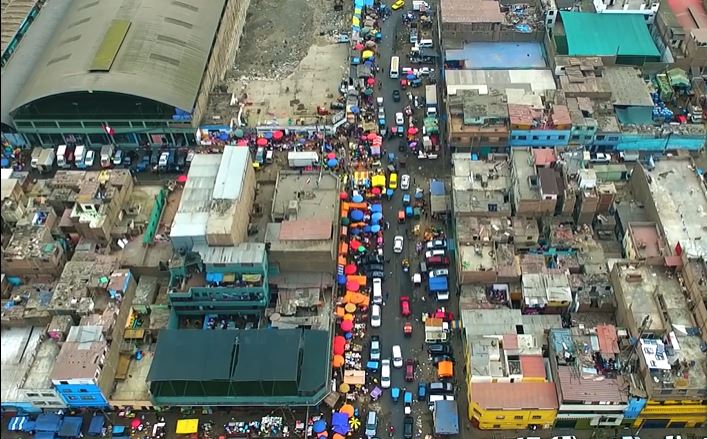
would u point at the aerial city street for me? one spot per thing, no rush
(365, 219)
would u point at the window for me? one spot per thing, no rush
(500, 417)
(48, 395)
(522, 137)
(518, 417)
(562, 137)
(497, 426)
(32, 394)
(600, 137)
(537, 417)
(536, 138)
(575, 137)
(83, 390)
(614, 138)
(88, 398)
(73, 398)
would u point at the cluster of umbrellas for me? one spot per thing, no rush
(332, 161)
(342, 423)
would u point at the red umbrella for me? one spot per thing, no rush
(182, 179)
(354, 244)
(242, 142)
(331, 155)
(358, 46)
(376, 191)
(135, 423)
(339, 349)
(262, 141)
(343, 196)
(371, 81)
(277, 135)
(412, 131)
(372, 136)
(352, 285)
(347, 325)
(350, 269)
(339, 341)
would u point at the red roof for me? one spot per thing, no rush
(510, 342)
(532, 366)
(574, 389)
(306, 230)
(510, 396)
(544, 156)
(608, 340)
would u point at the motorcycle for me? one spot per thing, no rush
(406, 265)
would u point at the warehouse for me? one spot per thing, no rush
(127, 73)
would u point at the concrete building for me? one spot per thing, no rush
(216, 201)
(681, 28)
(100, 45)
(535, 190)
(667, 354)
(647, 8)
(304, 232)
(482, 20)
(535, 126)
(507, 374)
(13, 201)
(694, 275)
(546, 293)
(504, 81)
(32, 251)
(480, 188)
(586, 370)
(477, 123)
(644, 242)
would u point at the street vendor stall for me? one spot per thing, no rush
(187, 426)
(355, 377)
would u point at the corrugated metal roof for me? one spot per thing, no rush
(193, 212)
(245, 253)
(231, 173)
(608, 340)
(306, 230)
(590, 34)
(163, 56)
(574, 388)
(510, 396)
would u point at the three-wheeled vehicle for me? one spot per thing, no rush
(372, 366)
(391, 157)
(406, 265)
(408, 211)
(406, 199)
(421, 391)
(401, 216)
(407, 398)
(407, 329)
(376, 393)
(395, 393)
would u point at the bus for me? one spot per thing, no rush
(394, 67)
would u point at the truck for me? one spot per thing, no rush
(436, 330)
(80, 156)
(431, 100)
(439, 285)
(45, 161)
(36, 152)
(302, 159)
(107, 155)
(420, 6)
(61, 156)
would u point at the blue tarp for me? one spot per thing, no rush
(48, 422)
(446, 418)
(44, 435)
(71, 427)
(340, 423)
(438, 283)
(436, 187)
(17, 423)
(214, 277)
(96, 425)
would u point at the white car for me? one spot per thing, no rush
(564, 437)
(397, 357)
(376, 316)
(377, 291)
(424, 71)
(601, 157)
(439, 272)
(405, 182)
(385, 374)
(436, 244)
(90, 158)
(398, 244)
(399, 119)
(438, 252)
(381, 113)
(379, 101)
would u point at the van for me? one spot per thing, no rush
(441, 388)
(425, 44)
(397, 357)
(371, 423)
(423, 267)
(377, 291)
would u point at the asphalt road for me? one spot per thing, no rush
(398, 283)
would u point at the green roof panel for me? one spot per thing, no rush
(108, 50)
(590, 34)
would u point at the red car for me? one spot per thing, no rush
(438, 261)
(409, 370)
(405, 306)
(442, 314)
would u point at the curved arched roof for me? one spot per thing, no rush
(156, 49)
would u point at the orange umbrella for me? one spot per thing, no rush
(350, 307)
(348, 317)
(338, 361)
(348, 409)
(338, 436)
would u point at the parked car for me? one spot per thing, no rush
(408, 423)
(405, 306)
(437, 358)
(397, 5)
(396, 95)
(409, 370)
(371, 424)
(421, 391)
(397, 356)
(118, 158)
(374, 267)
(377, 274)
(90, 159)
(405, 182)
(600, 157)
(398, 244)
(436, 244)
(439, 272)
(438, 252)
(376, 316)
(441, 388)
(377, 291)
(399, 119)
(438, 261)
(385, 373)
(375, 351)
(439, 349)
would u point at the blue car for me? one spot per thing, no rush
(421, 391)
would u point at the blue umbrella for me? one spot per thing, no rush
(223, 136)
(375, 228)
(341, 279)
(357, 198)
(355, 232)
(302, 140)
(389, 193)
(332, 163)
(356, 215)
(376, 217)
(355, 110)
(411, 76)
(348, 336)
(268, 135)
(319, 426)
(376, 208)
(366, 229)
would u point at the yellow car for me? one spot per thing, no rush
(397, 5)
(393, 181)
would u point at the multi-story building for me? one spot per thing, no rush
(481, 20)
(480, 188)
(680, 29)
(535, 190)
(534, 126)
(477, 123)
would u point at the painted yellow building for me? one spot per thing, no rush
(672, 414)
(512, 406)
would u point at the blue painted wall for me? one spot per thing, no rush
(82, 395)
(538, 138)
(20, 407)
(633, 142)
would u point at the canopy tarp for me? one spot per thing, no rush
(17, 423)
(355, 377)
(71, 427)
(48, 422)
(445, 369)
(446, 418)
(46, 435)
(187, 426)
(378, 181)
(439, 283)
(96, 425)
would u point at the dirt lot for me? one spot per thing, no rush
(287, 63)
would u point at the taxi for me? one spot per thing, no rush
(393, 180)
(397, 5)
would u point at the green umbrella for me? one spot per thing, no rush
(239, 133)
(345, 221)
(368, 91)
(362, 249)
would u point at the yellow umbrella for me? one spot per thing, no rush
(355, 21)
(354, 423)
(367, 54)
(344, 388)
(348, 317)
(357, 11)
(350, 307)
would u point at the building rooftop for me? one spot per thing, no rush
(490, 358)
(472, 229)
(471, 11)
(524, 172)
(628, 87)
(484, 297)
(507, 321)
(192, 215)
(14, 13)
(478, 257)
(231, 173)
(478, 184)
(38, 374)
(249, 253)
(510, 396)
(646, 240)
(19, 346)
(476, 108)
(681, 202)
(32, 236)
(499, 55)
(590, 34)
(541, 289)
(686, 14)
(81, 355)
(537, 81)
(75, 289)
(305, 196)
